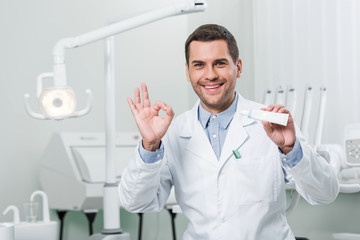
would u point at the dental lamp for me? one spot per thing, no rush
(59, 101)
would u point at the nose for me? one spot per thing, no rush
(211, 73)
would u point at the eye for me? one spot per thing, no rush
(198, 65)
(220, 64)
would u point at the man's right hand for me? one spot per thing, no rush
(152, 127)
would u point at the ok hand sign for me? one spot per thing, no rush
(152, 127)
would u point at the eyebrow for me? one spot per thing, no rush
(222, 60)
(216, 60)
(197, 61)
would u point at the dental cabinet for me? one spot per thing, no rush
(72, 170)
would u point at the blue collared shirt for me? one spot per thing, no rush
(216, 127)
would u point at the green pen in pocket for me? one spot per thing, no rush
(236, 154)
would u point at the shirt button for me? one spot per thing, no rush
(284, 159)
(158, 155)
(214, 116)
(214, 136)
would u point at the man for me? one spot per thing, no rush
(229, 171)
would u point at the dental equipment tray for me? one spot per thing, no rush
(72, 168)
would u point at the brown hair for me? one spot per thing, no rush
(211, 32)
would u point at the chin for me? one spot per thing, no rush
(215, 105)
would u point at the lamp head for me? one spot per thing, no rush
(58, 102)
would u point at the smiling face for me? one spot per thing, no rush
(213, 74)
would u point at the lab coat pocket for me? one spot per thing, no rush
(254, 179)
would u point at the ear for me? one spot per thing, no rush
(187, 71)
(238, 68)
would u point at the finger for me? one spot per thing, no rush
(280, 109)
(274, 107)
(283, 110)
(132, 106)
(267, 127)
(137, 99)
(145, 95)
(160, 105)
(137, 95)
(270, 108)
(286, 111)
(169, 114)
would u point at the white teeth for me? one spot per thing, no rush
(211, 87)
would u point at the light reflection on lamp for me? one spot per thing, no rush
(58, 102)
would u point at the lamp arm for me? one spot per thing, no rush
(39, 81)
(177, 8)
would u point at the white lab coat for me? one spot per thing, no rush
(229, 198)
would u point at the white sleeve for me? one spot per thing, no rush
(145, 187)
(315, 180)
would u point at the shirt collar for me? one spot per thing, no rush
(224, 117)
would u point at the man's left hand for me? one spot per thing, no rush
(282, 136)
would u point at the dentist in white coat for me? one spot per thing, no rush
(229, 172)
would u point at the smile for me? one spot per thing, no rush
(213, 86)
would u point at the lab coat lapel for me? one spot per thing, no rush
(198, 143)
(237, 134)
